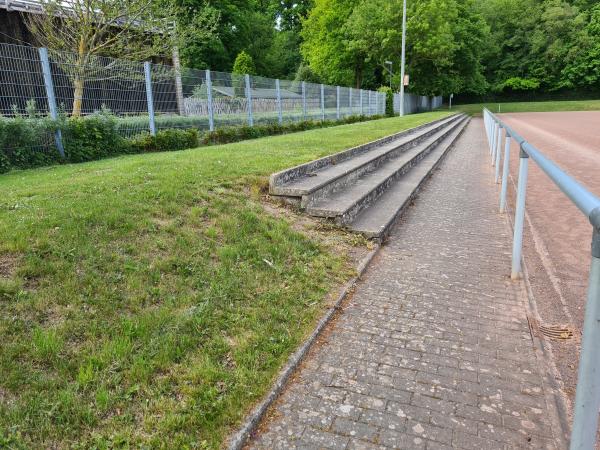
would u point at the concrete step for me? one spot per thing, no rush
(376, 220)
(346, 204)
(319, 178)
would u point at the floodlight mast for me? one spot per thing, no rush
(403, 58)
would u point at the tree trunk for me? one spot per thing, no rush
(358, 75)
(178, 82)
(79, 79)
(78, 84)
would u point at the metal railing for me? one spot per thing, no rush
(587, 397)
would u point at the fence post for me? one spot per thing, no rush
(211, 116)
(587, 395)
(47, 73)
(279, 112)
(361, 102)
(376, 103)
(304, 100)
(149, 98)
(322, 102)
(499, 153)
(369, 104)
(249, 101)
(493, 140)
(337, 104)
(505, 168)
(350, 99)
(519, 215)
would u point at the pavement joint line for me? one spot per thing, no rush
(252, 420)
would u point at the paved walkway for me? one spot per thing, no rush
(433, 350)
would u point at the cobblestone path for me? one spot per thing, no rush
(433, 350)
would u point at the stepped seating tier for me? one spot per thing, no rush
(366, 188)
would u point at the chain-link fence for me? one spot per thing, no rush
(150, 97)
(146, 97)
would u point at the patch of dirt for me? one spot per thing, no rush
(324, 231)
(8, 265)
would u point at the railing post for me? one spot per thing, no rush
(279, 111)
(322, 102)
(304, 100)
(519, 216)
(47, 73)
(497, 135)
(587, 396)
(505, 169)
(498, 138)
(149, 97)
(486, 122)
(350, 99)
(499, 153)
(211, 116)
(337, 104)
(249, 101)
(494, 131)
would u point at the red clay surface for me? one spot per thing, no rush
(557, 240)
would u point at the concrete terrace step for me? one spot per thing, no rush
(376, 220)
(321, 177)
(346, 204)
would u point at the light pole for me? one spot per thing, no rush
(389, 63)
(403, 59)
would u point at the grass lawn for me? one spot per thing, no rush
(576, 105)
(149, 300)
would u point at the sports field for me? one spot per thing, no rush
(557, 234)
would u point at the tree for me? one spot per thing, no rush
(582, 67)
(291, 13)
(324, 47)
(244, 64)
(132, 29)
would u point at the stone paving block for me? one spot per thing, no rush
(324, 439)
(366, 401)
(355, 444)
(470, 442)
(433, 349)
(403, 441)
(357, 430)
(383, 419)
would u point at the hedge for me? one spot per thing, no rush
(27, 141)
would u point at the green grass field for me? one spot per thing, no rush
(509, 107)
(148, 301)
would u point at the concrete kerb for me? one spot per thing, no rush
(250, 424)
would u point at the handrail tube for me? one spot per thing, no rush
(579, 195)
(587, 397)
(583, 199)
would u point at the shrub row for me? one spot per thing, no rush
(27, 142)
(227, 135)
